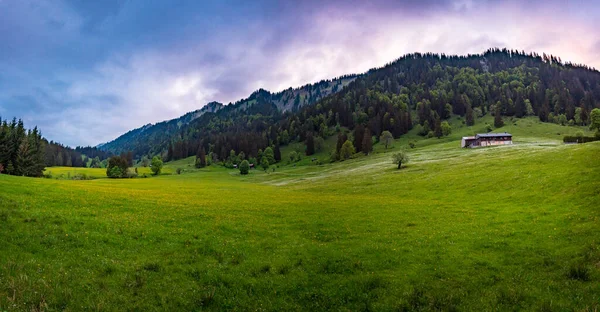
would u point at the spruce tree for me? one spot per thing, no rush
(470, 120)
(498, 122)
(310, 144)
(277, 152)
(367, 143)
(201, 158)
(359, 133)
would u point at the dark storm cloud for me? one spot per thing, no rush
(72, 67)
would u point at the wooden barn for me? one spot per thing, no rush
(486, 139)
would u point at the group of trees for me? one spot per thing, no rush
(118, 166)
(21, 151)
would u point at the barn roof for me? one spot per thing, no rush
(493, 135)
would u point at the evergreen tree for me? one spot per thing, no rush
(498, 122)
(470, 120)
(201, 158)
(170, 152)
(437, 131)
(367, 143)
(277, 152)
(310, 144)
(340, 141)
(359, 133)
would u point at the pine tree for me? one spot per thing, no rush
(277, 152)
(10, 169)
(201, 158)
(310, 144)
(470, 120)
(170, 152)
(498, 122)
(367, 143)
(359, 133)
(340, 141)
(37, 153)
(438, 127)
(24, 160)
(4, 144)
(130, 158)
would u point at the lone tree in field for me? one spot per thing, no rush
(244, 167)
(386, 138)
(117, 167)
(399, 158)
(157, 165)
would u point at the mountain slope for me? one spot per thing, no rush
(285, 101)
(417, 90)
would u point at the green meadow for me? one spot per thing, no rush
(501, 228)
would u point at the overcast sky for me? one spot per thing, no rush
(87, 71)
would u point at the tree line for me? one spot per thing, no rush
(21, 150)
(26, 153)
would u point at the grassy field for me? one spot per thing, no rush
(503, 228)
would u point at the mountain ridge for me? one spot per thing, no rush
(287, 100)
(417, 89)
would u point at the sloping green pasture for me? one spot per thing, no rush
(502, 228)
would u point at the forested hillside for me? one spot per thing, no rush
(151, 138)
(419, 90)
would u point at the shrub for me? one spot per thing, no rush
(178, 170)
(244, 167)
(579, 139)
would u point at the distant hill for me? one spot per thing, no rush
(288, 100)
(417, 90)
